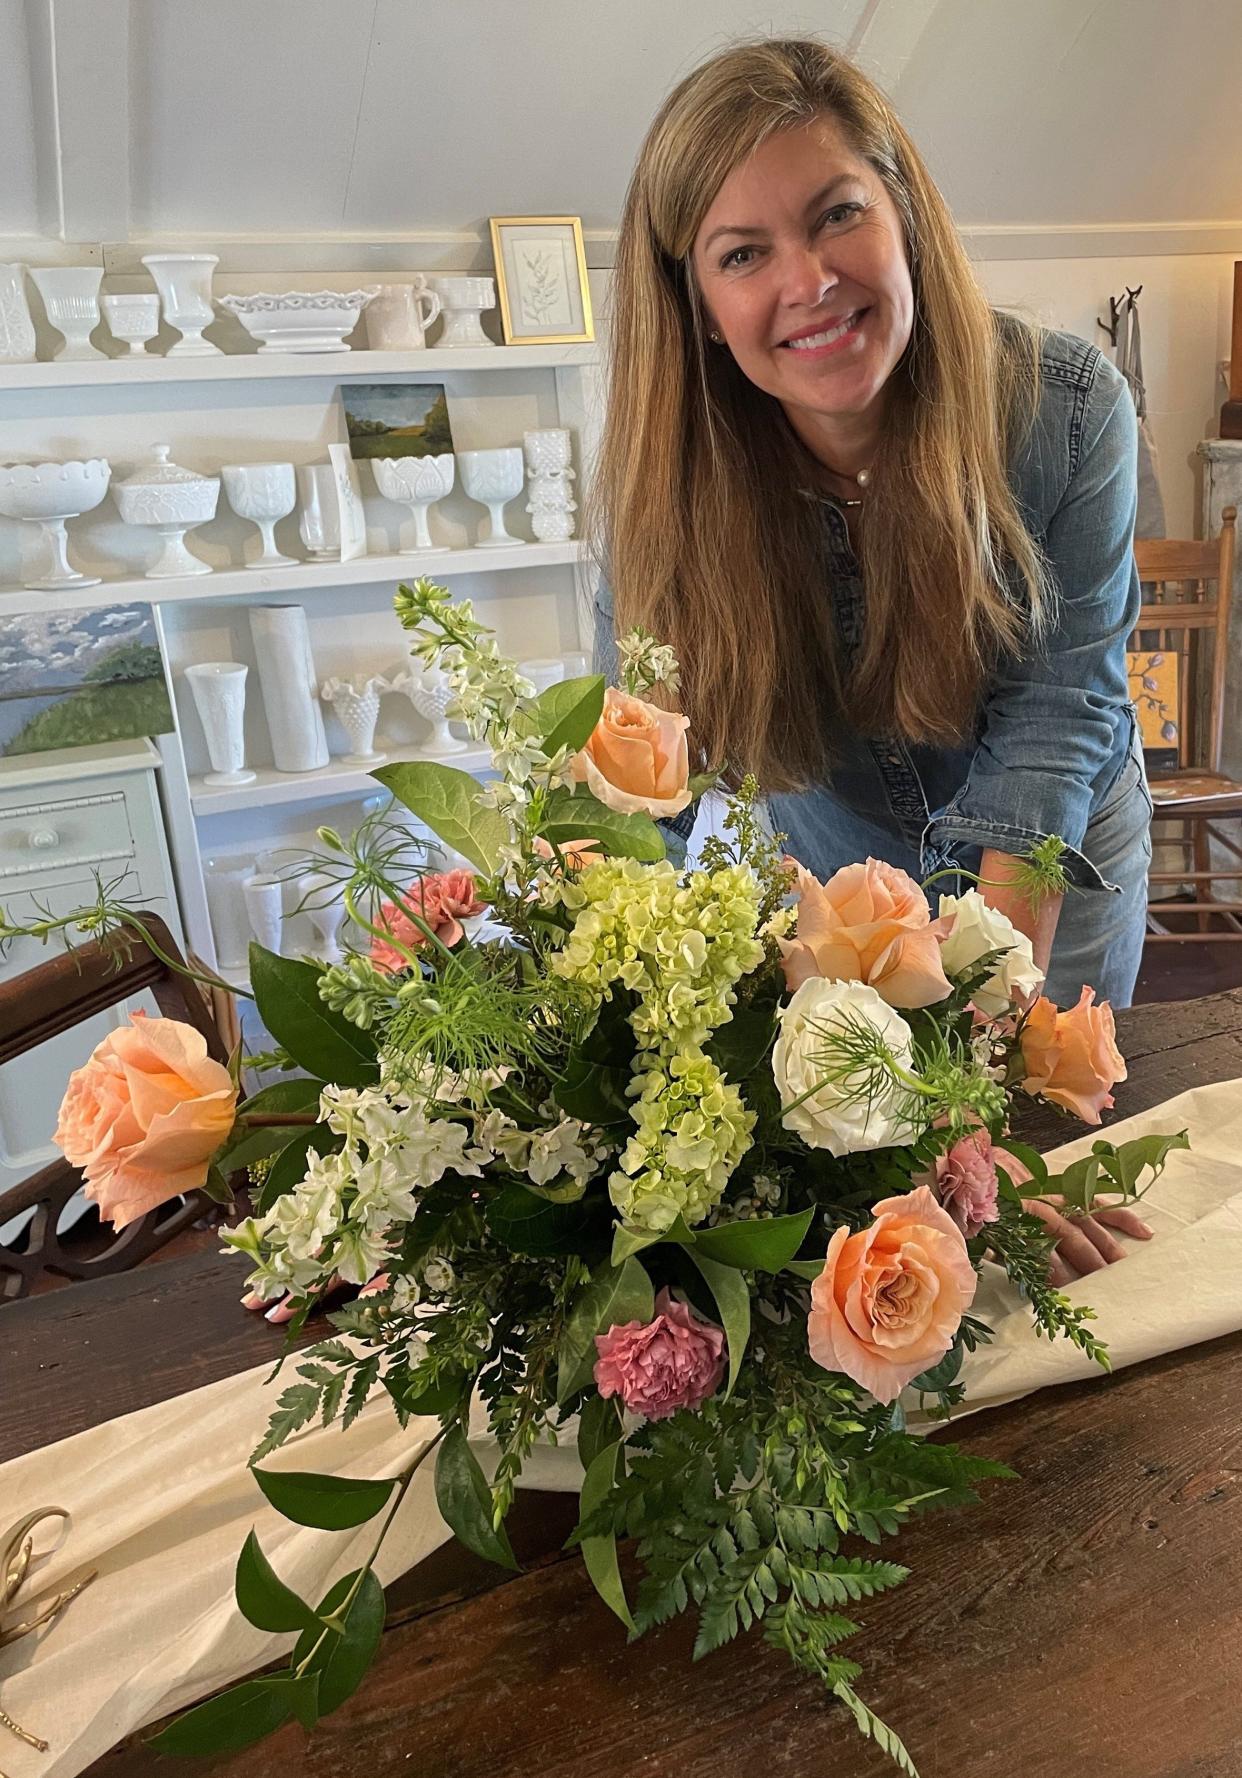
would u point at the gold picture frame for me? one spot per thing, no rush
(541, 280)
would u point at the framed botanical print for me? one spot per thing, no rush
(541, 279)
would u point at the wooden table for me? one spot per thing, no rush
(1083, 1620)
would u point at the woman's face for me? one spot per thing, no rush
(802, 269)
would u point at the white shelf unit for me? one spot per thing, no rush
(250, 407)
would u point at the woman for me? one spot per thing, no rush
(888, 532)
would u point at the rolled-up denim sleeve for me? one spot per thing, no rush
(1050, 719)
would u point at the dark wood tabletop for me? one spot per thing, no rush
(1082, 1620)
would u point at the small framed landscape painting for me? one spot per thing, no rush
(75, 678)
(396, 419)
(541, 280)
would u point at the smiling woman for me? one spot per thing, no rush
(887, 530)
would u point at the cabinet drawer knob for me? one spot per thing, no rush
(44, 838)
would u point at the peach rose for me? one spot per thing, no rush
(636, 760)
(144, 1116)
(888, 1302)
(1072, 1057)
(578, 854)
(868, 923)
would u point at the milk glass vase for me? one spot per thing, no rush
(219, 689)
(17, 334)
(356, 703)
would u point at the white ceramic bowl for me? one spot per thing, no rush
(53, 490)
(300, 320)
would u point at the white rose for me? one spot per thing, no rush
(978, 929)
(840, 1114)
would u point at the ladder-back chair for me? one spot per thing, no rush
(1183, 626)
(51, 998)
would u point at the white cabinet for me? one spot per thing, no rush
(64, 817)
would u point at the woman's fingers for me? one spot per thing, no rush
(1128, 1221)
(286, 1307)
(1083, 1243)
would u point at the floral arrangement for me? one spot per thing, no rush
(697, 1167)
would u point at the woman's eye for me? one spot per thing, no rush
(841, 212)
(733, 258)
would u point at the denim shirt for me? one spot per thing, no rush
(1055, 725)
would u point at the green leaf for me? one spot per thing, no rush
(323, 1042)
(738, 1047)
(577, 815)
(942, 1374)
(527, 1223)
(1031, 1159)
(439, 1398)
(246, 1145)
(599, 1554)
(1123, 1165)
(331, 1502)
(568, 712)
(732, 1296)
(342, 1657)
(465, 1500)
(627, 1240)
(593, 1091)
(234, 1720)
(614, 1295)
(285, 1095)
(764, 1244)
(701, 782)
(809, 1269)
(599, 1425)
(448, 801)
(289, 1168)
(262, 1597)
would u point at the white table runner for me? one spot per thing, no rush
(162, 1499)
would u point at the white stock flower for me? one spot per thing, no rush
(823, 1029)
(978, 929)
(560, 1150)
(360, 1254)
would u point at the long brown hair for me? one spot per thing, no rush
(697, 512)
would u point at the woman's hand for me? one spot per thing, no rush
(286, 1307)
(1083, 1243)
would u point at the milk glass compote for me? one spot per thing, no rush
(47, 495)
(263, 493)
(416, 482)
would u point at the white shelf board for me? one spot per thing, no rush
(307, 577)
(337, 778)
(230, 367)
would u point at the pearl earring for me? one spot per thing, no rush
(715, 338)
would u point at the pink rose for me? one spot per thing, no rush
(441, 902)
(868, 923)
(675, 1361)
(143, 1117)
(1072, 1057)
(889, 1300)
(636, 759)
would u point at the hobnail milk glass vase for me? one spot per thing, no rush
(17, 334)
(429, 691)
(356, 703)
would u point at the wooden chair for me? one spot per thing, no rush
(1187, 593)
(40, 1004)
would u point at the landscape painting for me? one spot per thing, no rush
(75, 678)
(396, 419)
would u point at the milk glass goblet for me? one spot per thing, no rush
(493, 478)
(133, 320)
(263, 493)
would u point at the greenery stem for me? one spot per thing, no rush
(342, 1610)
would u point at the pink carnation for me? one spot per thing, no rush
(966, 1180)
(441, 902)
(675, 1361)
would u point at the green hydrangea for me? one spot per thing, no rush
(680, 944)
(692, 1130)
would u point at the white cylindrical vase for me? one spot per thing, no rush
(219, 689)
(230, 922)
(290, 692)
(265, 908)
